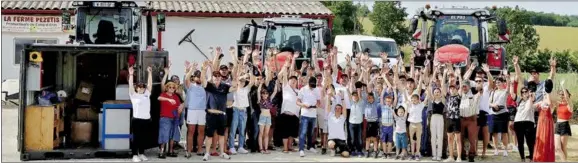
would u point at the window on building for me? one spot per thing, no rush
(19, 44)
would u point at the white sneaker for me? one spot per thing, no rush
(505, 153)
(459, 159)
(206, 157)
(301, 153)
(135, 159)
(233, 151)
(496, 153)
(514, 148)
(143, 157)
(312, 150)
(243, 151)
(449, 160)
(225, 156)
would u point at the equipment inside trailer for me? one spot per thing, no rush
(67, 92)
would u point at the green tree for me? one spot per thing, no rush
(388, 18)
(523, 37)
(345, 19)
(362, 13)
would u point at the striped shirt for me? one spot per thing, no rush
(386, 115)
(469, 105)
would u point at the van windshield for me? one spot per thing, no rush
(377, 47)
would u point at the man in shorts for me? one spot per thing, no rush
(216, 117)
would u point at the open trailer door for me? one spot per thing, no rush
(158, 60)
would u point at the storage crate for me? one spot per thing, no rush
(43, 125)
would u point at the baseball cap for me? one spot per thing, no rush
(223, 67)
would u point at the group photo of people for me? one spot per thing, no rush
(395, 111)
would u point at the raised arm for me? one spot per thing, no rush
(131, 80)
(165, 77)
(275, 90)
(204, 73)
(469, 72)
(259, 92)
(443, 85)
(518, 76)
(217, 57)
(490, 77)
(552, 68)
(314, 60)
(191, 70)
(149, 79)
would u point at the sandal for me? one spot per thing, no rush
(267, 152)
(187, 155)
(262, 151)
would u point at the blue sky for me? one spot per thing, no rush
(558, 7)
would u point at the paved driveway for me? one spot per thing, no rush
(10, 129)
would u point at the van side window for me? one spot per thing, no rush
(355, 49)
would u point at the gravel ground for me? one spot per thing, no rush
(10, 153)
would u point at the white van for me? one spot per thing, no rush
(351, 44)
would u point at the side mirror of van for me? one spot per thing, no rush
(327, 36)
(502, 27)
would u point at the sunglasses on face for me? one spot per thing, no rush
(172, 87)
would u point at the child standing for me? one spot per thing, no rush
(387, 114)
(265, 117)
(372, 127)
(400, 133)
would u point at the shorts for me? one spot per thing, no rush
(215, 123)
(386, 134)
(229, 112)
(454, 126)
(322, 120)
(372, 129)
(196, 117)
(401, 140)
(265, 120)
(500, 123)
(340, 145)
(482, 118)
(512, 110)
(288, 126)
(563, 129)
(168, 130)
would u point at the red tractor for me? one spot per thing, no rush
(458, 35)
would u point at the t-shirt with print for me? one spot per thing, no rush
(168, 110)
(454, 107)
(400, 124)
(141, 105)
(217, 96)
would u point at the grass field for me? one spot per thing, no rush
(553, 38)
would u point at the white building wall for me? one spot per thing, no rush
(209, 32)
(10, 70)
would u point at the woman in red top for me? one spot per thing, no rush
(511, 103)
(171, 106)
(544, 147)
(565, 110)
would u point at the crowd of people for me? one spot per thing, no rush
(357, 109)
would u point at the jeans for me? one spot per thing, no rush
(238, 123)
(306, 128)
(355, 134)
